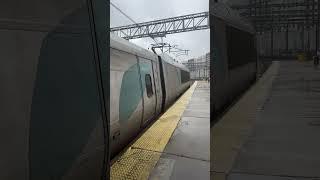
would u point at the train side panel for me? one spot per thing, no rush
(180, 84)
(135, 95)
(219, 63)
(171, 83)
(184, 80)
(234, 62)
(142, 86)
(176, 79)
(126, 103)
(51, 122)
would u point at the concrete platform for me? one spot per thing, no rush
(278, 138)
(176, 146)
(187, 154)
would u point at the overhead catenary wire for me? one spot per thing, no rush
(127, 16)
(134, 22)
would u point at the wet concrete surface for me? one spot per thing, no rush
(284, 143)
(231, 131)
(243, 176)
(187, 155)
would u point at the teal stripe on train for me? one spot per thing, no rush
(130, 92)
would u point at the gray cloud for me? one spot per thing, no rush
(146, 10)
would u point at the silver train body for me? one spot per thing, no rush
(142, 86)
(234, 58)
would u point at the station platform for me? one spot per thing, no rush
(272, 132)
(175, 146)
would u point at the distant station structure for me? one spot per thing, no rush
(286, 28)
(162, 27)
(199, 67)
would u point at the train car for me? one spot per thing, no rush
(143, 84)
(234, 57)
(176, 79)
(53, 113)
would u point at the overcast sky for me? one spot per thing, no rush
(147, 10)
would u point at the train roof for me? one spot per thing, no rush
(124, 45)
(232, 17)
(170, 60)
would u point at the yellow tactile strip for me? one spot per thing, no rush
(137, 161)
(232, 130)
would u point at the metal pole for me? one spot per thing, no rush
(308, 40)
(313, 15)
(308, 27)
(302, 37)
(304, 27)
(271, 32)
(317, 28)
(255, 14)
(287, 38)
(250, 8)
(162, 44)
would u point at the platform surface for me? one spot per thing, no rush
(273, 132)
(176, 146)
(187, 154)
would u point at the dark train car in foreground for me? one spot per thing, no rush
(53, 90)
(234, 56)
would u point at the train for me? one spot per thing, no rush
(234, 61)
(143, 84)
(54, 90)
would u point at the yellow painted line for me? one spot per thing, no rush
(233, 129)
(140, 158)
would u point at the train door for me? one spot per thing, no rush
(149, 95)
(163, 86)
(157, 85)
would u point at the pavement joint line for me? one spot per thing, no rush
(261, 174)
(196, 117)
(274, 175)
(174, 154)
(136, 162)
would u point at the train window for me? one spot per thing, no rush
(149, 85)
(185, 76)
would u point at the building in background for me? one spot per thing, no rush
(199, 67)
(285, 28)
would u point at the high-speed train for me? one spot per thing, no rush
(142, 85)
(54, 90)
(234, 59)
